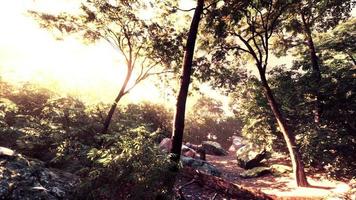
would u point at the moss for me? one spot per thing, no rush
(255, 172)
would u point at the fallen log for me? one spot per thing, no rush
(223, 186)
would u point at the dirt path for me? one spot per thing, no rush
(281, 187)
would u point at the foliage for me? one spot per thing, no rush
(244, 31)
(305, 17)
(64, 132)
(154, 116)
(125, 162)
(251, 107)
(334, 140)
(207, 121)
(321, 15)
(329, 145)
(237, 32)
(131, 168)
(339, 40)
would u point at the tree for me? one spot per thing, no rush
(120, 25)
(249, 104)
(245, 28)
(308, 16)
(179, 116)
(208, 107)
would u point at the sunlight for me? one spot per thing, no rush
(93, 72)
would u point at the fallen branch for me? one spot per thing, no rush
(180, 192)
(213, 198)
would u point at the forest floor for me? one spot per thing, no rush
(281, 187)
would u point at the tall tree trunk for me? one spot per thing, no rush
(178, 126)
(316, 75)
(117, 99)
(297, 163)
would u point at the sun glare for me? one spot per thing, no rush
(31, 54)
(92, 72)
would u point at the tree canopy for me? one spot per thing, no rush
(139, 41)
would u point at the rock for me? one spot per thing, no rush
(6, 152)
(237, 143)
(188, 152)
(200, 165)
(166, 144)
(198, 149)
(26, 178)
(255, 172)
(280, 169)
(250, 156)
(213, 148)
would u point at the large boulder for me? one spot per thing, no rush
(213, 148)
(25, 178)
(188, 152)
(237, 143)
(166, 144)
(200, 165)
(250, 156)
(198, 150)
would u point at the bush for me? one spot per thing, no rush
(132, 167)
(65, 133)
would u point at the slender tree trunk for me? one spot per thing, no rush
(316, 75)
(178, 126)
(297, 163)
(117, 99)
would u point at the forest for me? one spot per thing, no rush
(259, 102)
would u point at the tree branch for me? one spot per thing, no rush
(251, 51)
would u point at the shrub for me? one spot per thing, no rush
(131, 168)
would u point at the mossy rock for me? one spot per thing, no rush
(255, 172)
(250, 156)
(200, 165)
(278, 169)
(213, 148)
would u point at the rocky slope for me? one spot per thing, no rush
(24, 178)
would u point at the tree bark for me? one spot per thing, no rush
(316, 75)
(122, 92)
(178, 126)
(297, 163)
